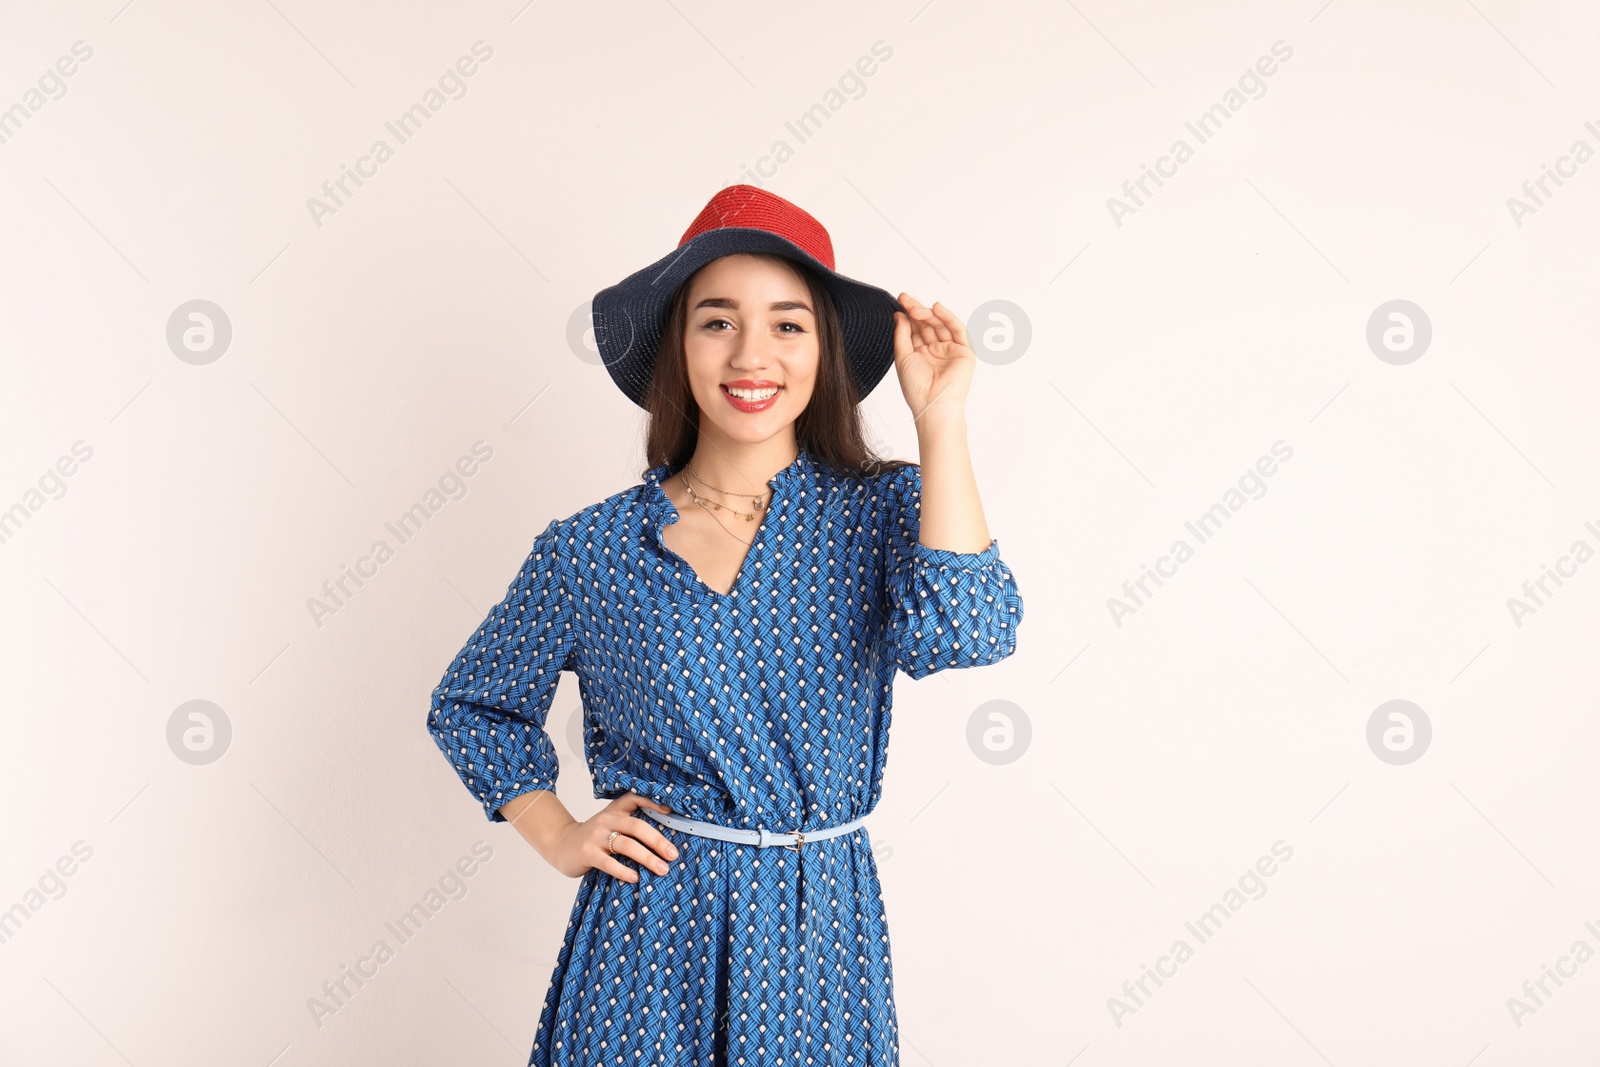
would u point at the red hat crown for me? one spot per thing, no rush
(753, 208)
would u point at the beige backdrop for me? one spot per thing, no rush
(1368, 495)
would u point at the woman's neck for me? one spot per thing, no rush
(741, 467)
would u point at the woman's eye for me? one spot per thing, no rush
(786, 327)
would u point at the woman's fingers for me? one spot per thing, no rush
(631, 801)
(645, 832)
(637, 839)
(957, 328)
(616, 868)
(943, 324)
(609, 858)
(902, 334)
(924, 323)
(623, 845)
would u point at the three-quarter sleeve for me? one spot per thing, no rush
(946, 609)
(488, 712)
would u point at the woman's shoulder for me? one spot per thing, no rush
(892, 479)
(626, 507)
(879, 490)
(876, 472)
(604, 512)
(901, 476)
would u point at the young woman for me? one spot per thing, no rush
(735, 623)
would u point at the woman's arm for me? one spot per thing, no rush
(488, 715)
(572, 847)
(953, 602)
(539, 817)
(934, 362)
(952, 514)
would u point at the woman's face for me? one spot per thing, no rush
(750, 330)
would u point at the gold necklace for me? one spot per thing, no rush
(755, 501)
(708, 507)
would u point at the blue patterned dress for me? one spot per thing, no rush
(765, 707)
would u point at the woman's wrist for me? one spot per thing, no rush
(539, 817)
(937, 425)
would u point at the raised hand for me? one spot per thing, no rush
(933, 360)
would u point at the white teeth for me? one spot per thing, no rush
(753, 394)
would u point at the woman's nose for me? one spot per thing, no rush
(750, 353)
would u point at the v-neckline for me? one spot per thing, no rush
(665, 513)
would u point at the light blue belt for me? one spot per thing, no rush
(764, 838)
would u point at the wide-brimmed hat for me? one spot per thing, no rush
(629, 317)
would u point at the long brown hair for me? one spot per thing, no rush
(830, 426)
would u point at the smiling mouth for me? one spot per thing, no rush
(751, 400)
(753, 395)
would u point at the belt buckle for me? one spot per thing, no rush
(799, 839)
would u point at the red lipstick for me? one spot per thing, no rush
(756, 386)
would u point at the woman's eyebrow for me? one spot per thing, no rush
(776, 305)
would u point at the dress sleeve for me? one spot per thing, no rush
(946, 609)
(488, 712)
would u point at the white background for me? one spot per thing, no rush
(1168, 354)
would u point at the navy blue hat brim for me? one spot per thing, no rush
(630, 317)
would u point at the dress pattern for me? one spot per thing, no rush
(768, 706)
